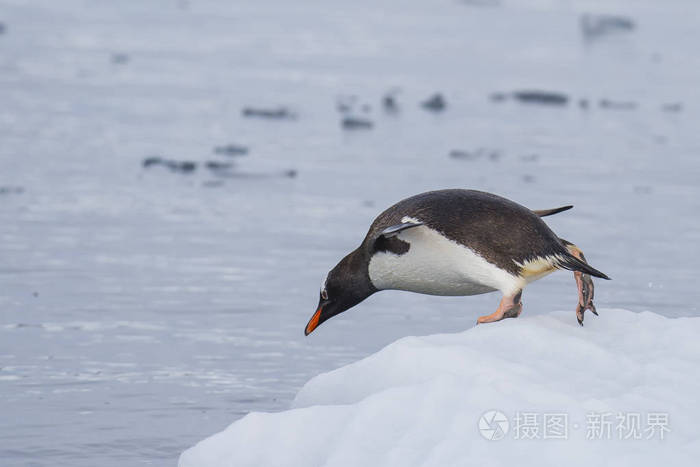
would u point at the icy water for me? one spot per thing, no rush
(142, 309)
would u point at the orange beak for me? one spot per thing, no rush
(313, 322)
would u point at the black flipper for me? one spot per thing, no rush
(549, 212)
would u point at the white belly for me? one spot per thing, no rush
(436, 265)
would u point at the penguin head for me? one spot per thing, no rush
(346, 285)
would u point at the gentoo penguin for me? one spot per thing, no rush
(455, 242)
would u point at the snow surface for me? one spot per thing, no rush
(418, 401)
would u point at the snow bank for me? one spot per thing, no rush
(420, 401)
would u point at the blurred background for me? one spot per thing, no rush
(177, 177)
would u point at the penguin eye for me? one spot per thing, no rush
(324, 294)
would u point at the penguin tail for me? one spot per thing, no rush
(572, 263)
(549, 212)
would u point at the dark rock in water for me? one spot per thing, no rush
(594, 26)
(350, 105)
(465, 155)
(389, 103)
(3, 28)
(491, 154)
(346, 104)
(672, 107)
(173, 165)
(532, 97)
(231, 150)
(11, 190)
(527, 178)
(153, 160)
(183, 166)
(617, 105)
(120, 58)
(356, 123)
(291, 173)
(278, 113)
(541, 97)
(583, 103)
(216, 165)
(435, 103)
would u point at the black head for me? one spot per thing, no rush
(346, 285)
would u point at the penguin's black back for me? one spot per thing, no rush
(499, 230)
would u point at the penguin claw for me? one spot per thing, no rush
(581, 310)
(584, 283)
(585, 296)
(579, 314)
